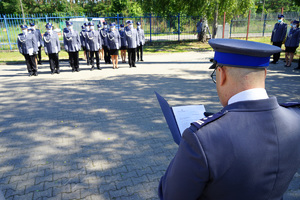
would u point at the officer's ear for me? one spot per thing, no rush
(266, 73)
(222, 75)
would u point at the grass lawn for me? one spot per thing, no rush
(154, 47)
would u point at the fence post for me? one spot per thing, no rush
(264, 27)
(224, 25)
(7, 32)
(150, 27)
(178, 27)
(248, 24)
(118, 20)
(46, 18)
(231, 22)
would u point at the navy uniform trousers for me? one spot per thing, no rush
(139, 52)
(248, 151)
(30, 63)
(131, 56)
(54, 62)
(74, 60)
(276, 56)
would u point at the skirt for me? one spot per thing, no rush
(123, 48)
(290, 49)
(114, 52)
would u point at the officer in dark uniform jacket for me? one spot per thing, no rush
(292, 43)
(27, 46)
(72, 45)
(103, 33)
(141, 42)
(39, 40)
(123, 43)
(52, 48)
(93, 44)
(250, 149)
(278, 35)
(132, 42)
(82, 35)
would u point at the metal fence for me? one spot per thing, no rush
(156, 28)
(260, 25)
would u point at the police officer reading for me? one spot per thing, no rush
(250, 149)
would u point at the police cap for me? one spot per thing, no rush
(91, 24)
(241, 53)
(31, 24)
(104, 23)
(295, 22)
(68, 23)
(23, 26)
(138, 23)
(129, 22)
(99, 25)
(122, 25)
(48, 26)
(280, 16)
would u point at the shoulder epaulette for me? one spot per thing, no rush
(290, 104)
(203, 122)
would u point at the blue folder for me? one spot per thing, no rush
(170, 118)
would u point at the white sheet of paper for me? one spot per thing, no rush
(185, 115)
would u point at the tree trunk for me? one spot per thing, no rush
(215, 25)
(203, 37)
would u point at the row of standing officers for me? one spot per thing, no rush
(103, 40)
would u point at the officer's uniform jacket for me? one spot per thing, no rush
(114, 40)
(103, 33)
(72, 41)
(292, 39)
(250, 150)
(123, 38)
(82, 38)
(132, 38)
(93, 41)
(279, 32)
(38, 37)
(51, 43)
(27, 44)
(141, 36)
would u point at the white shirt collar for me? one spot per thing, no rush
(248, 95)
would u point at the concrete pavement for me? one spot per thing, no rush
(101, 134)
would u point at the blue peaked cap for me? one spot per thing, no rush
(241, 53)
(32, 24)
(280, 16)
(23, 26)
(48, 26)
(68, 23)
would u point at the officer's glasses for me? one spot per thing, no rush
(213, 74)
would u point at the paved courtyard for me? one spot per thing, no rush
(101, 134)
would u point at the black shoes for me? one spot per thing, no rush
(92, 68)
(274, 62)
(297, 68)
(99, 67)
(40, 63)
